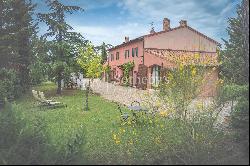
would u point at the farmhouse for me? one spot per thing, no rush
(156, 52)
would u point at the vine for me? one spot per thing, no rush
(107, 70)
(126, 68)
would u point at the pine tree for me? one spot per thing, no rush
(59, 30)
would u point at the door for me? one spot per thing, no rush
(155, 76)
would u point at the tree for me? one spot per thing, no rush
(235, 57)
(182, 87)
(40, 65)
(16, 31)
(235, 68)
(60, 31)
(103, 50)
(90, 62)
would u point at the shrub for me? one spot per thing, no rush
(239, 95)
(169, 141)
(9, 84)
(182, 87)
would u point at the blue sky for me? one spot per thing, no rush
(110, 21)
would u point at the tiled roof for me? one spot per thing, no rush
(185, 57)
(129, 42)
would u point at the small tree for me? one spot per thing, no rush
(182, 86)
(90, 62)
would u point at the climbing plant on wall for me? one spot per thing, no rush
(126, 68)
(107, 70)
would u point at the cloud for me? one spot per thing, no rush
(111, 34)
(110, 20)
(209, 17)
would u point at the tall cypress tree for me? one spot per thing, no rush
(59, 30)
(23, 11)
(235, 57)
(103, 50)
(16, 31)
(7, 35)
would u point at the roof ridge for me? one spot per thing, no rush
(165, 31)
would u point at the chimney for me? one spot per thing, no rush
(166, 24)
(126, 39)
(183, 23)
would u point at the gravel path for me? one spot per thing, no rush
(148, 98)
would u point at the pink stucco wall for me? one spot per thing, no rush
(180, 39)
(122, 60)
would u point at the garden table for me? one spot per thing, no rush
(137, 109)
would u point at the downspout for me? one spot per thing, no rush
(143, 52)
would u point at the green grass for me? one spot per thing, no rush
(99, 137)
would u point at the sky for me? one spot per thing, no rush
(110, 21)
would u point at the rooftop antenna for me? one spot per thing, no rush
(152, 27)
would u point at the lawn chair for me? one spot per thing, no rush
(39, 96)
(124, 116)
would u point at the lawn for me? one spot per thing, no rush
(98, 136)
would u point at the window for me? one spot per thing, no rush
(136, 51)
(155, 76)
(126, 54)
(117, 56)
(111, 57)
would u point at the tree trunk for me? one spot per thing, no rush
(59, 84)
(87, 97)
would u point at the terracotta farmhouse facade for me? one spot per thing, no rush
(156, 52)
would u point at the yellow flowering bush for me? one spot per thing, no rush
(182, 87)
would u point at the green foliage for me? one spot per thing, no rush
(16, 32)
(235, 57)
(238, 96)
(182, 86)
(103, 50)
(90, 62)
(9, 84)
(235, 68)
(65, 42)
(231, 92)
(126, 68)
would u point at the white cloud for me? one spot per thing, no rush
(111, 34)
(209, 17)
